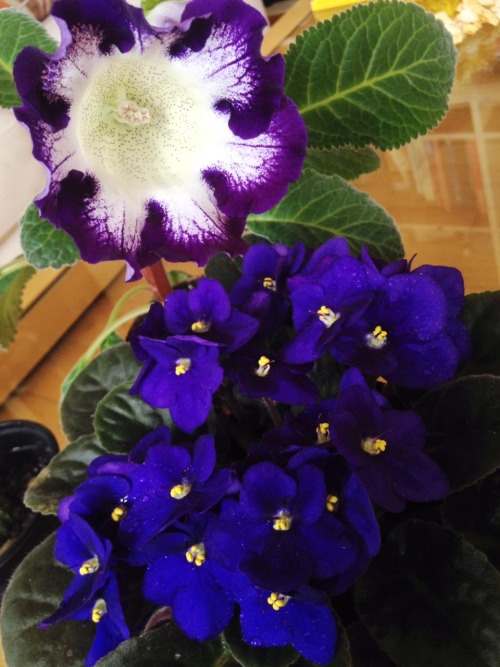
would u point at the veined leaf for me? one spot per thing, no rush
(378, 74)
(319, 207)
(44, 245)
(17, 30)
(11, 291)
(346, 162)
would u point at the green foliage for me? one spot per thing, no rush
(481, 314)
(326, 375)
(319, 207)
(378, 74)
(463, 423)
(365, 652)
(43, 244)
(63, 474)
(11, 291)
(122, 420)
(17, 30)
(148, 5)
(224, 269)
(474, 513)
(34, 593)
(429, 598)
(251, 656)
(166, 646)
(111, 368)
(346, 162)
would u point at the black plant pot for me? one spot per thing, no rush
(25, 448)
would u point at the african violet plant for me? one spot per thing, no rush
(291, 461)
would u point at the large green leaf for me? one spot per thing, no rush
(378, 74)
(122, 420)
(364, 650)
(63, 474)
(36, 589)
(111, 368)
(319, 207)
(481, 314)
(11, 291)
(474, 512)
(224, 269)
(17, 30)
(429, 598)
(166, 646)
(346, 162)
(463, 425)
(44, 245)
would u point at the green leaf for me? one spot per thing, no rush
(365, 651)
(35, 591)
(43, 244)
(110, 341)
(346, 162)
(463, 426)
(252, 656)
(378, 74)
(481, 314)
(474, 513)
(122, 420)
(224, 269)
(148, 5)
(11, 291)
(429, 598)
(111, 368)
(326, 375)
(62, 475)
(166, 646)
(17, 30)
(319, 207)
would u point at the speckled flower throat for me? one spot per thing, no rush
(139, 121)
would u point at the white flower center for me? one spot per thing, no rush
(140, 123)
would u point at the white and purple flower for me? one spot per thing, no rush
(158, 140)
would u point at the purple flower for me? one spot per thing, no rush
(158, 140)
(207, 312)
(303, 619)
(181, 374)
(384, 446)
(192, 583)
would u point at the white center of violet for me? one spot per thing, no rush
(140, 123)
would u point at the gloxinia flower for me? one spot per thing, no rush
(181, 374)
(158, 140)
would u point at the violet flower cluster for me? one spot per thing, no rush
(270, 534)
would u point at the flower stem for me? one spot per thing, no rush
(273, 411)
(123, 300)
(16, 265)
(158, 280)
(112, 326)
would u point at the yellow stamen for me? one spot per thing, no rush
(200, 326)
(180, 491)
(118, 513)
(277, 600)
(182, 366)
(374, 446)
(377, 338)
(269, 283)
(323, 433)
(332, 503)
(98, 610)
(89, 566)
(264, 367)
(196, 554)
(282, 521)
(327, 316)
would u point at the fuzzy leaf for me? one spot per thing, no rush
(17, 30)
(346, 162)
(11, 291)
(481, 314)
(111, 368)
(43, 244)
(463, 425)
(122, 420)
(474, 513)
(378, 74)
(62, 475)
(166, 646)
(35, 591)
(319, 207)
(224, 269)
(429, 598)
